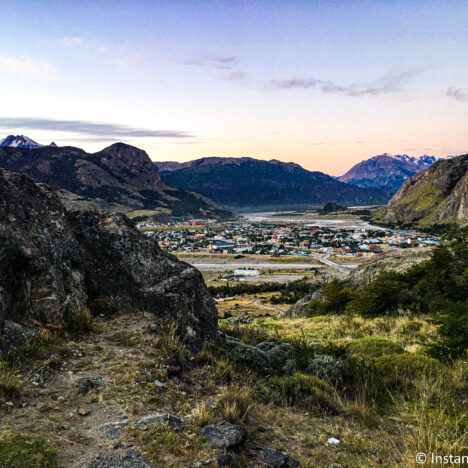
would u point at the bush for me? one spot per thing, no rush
(304, 391)
(336, 295)
(371, 348)
(401, 371)
(379, 297)
(18, 450)
(453, 320)
(327, 368)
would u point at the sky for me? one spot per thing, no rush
(325, 84)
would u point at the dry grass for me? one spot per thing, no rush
(11, 382)
(235, 403)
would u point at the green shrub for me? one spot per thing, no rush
(336, 295)
(452, 318)
(371, 348)
(304, 391)
(401, 371)
(18, 450)
(328, 368)
(379, 297)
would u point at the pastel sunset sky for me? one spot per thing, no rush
(321, 83)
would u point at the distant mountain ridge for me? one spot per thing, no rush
(436, 196)
(248, 182)
(21, 141)
(120, 178)
(386, 170)
(211, 160)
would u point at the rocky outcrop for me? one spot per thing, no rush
(121, 262)
(331, 207)
(41, 269)
(277, 459)
(53, 263)
(224, 435)
(438, 195)
(299, 308)
(398, 260)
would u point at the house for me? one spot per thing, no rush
(246, 272)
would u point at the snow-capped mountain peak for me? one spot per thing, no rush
(20, 141)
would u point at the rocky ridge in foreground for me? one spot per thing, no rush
(55, 263)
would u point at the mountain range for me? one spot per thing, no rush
(21, 141)
(386, 170)
(248, 183)
(119, 178)
(436, 196)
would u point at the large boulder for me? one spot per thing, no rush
(41, 270)
(224, 435)
(121, 262)
(53, 263)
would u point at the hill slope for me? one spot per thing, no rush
(248, 182)
(386, 170)
(438, 195)
(120, 177)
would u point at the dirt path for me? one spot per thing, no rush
(261, 306)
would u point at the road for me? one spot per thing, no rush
(324, 259)
(261, 306)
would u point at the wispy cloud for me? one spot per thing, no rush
(390, 83)
(210, 61)
(27, 66)
(458, 94)
(224, 68)
(93, 129)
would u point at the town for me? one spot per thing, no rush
(280, 239)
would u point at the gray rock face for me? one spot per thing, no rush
(435, 196)
(41, 270)
(53, 263)
(299, 308)
(267, 358)
(224, 435)
(120, 261)
(277, 459)
(128, 459)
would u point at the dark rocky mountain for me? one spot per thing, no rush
(20, 141)
(253, 183)
(386, 171)
(120, 178)
(54, 262)
(435, 196)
